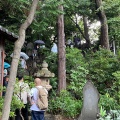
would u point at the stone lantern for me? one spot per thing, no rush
(44, 74)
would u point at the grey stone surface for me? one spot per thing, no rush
(29, 49)
(90, 102)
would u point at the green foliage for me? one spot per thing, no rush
(79, 7)
(104, 69)
(52, 60)
(108, 102)
(102, 112)
(74, 58)
(101, 66)
(70, 101)
(13, 13)
(15, 104)
(116, 84)
(44, 24)
(1, 105)
(65, 104)
(54, 83)
(112, 9)
(77, 81)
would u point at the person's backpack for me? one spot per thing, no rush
(42, 101)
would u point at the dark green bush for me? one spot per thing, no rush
(65, 104)
(101, 67)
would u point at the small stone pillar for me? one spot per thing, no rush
(90, 102)
(44, 74)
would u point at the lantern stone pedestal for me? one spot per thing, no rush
(44, 74)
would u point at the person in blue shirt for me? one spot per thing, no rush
(37, 113)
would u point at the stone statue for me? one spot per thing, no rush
(44, 74)
(90, 102)
(29, 49)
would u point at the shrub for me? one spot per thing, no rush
(65, 104)
(77, 81)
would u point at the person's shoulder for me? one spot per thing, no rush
(26, 84)
(33, 89)
(38, 86)
(42, 87)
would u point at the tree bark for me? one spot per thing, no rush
(16, 55)
(104, 39)
(86, 31)
(61, 52)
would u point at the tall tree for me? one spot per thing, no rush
(86, 31)
(113, 17)
(104, 38)
(13, 71)
(75, 10)
(61, 51)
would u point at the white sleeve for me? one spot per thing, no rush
(32, 91)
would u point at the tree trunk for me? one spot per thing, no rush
(81, 31)
(61, 52)
(16, 55)
(86, 31)
(104, 39)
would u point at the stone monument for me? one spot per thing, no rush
(44, 74)
(29, 49)
(90, 102)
